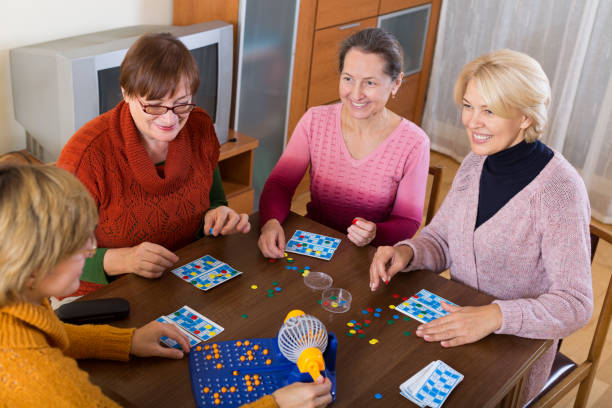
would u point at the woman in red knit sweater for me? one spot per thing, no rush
(151, 166)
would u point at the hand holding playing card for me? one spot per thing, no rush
(361, 232)
(387, 262)
(145, 341)
(312, 244)
(462, 325)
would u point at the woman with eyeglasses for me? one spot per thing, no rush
(43, 256)
(151, 166)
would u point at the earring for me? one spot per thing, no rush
(393, 95)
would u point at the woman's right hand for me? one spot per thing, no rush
(146, 341)
(146, 259)
(304, 395)
(387, 262)
(272, 239)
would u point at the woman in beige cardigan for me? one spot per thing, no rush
(515, 223)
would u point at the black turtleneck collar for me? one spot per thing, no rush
(506, 173)
(511, 159)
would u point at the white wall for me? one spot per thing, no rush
(27, 22)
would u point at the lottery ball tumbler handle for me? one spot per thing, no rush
(311, 361)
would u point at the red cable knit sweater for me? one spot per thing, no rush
(134, 202)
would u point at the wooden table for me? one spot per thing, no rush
(494, 367)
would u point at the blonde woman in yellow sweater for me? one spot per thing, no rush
(47, 219)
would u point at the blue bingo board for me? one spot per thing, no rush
(311, 244)
(206, 272)
(438, 385)
(432, 301)
(424, 306)
(432, 385)
(233, 373)
(417, 311)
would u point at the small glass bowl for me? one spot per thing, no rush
(318, 280)
(336, 300)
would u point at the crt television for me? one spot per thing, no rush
(58, 86)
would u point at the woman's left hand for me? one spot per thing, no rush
(463, 325)
(223, 220)
(362, 232)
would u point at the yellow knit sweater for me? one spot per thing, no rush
(37, 352)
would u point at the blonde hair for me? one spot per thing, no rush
(508, 80)
(46, 215)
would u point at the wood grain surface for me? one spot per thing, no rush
(492, 367)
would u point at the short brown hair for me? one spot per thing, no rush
(46, 215)
(155, 65)
(509, 79)
(375, 41)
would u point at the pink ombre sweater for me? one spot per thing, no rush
(533, 255)
(386, 187)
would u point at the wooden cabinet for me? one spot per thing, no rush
(405, 102)
(389, 6)
(236, 167)
(335, 12)
(322, 26)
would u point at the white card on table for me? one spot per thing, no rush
(206, 272)
(432, 385)
(197, 327)
(311, 244)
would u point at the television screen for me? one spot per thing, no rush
(108, 88)
(206, 97)
(206, 57)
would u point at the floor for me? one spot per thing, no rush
(575, 346)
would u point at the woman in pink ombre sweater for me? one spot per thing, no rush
(368, 166)
(515, 223)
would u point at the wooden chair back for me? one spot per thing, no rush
(584, 374)
(436, 172)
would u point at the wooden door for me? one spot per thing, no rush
(335, 12)
(405, 101)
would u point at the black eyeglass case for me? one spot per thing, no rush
(94, 311)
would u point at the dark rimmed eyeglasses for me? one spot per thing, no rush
(180, 109)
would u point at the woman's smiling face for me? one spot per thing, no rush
(364, 87)
(489, 133)
(161, 128)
